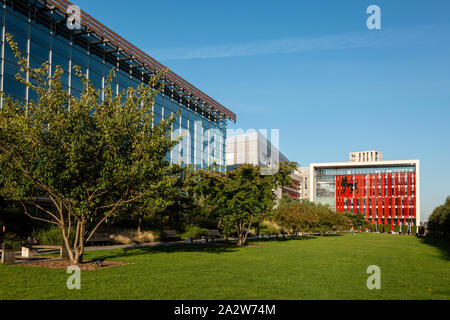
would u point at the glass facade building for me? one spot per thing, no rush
(385, 192)
(42, 34)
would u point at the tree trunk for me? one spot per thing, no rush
(242, 233)
(76, 256)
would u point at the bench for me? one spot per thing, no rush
(100, 239)
(31, 251)
(167, 235)
(214, 234)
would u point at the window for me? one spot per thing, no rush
(79, 58)
(39, 51)
(36, 63)
(58, 60)
(157, 118)
(11, 69)
(76, 83)
(14, 88)
(95, 64)
(40, 36)
(16, 24)
(61, 47)
(96, 79)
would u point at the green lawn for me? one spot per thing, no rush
(319, 268)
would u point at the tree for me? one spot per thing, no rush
(439, 221)
(306, 216)
(296, 216)
(357, 220)
(89, 157)
(330, 220)
(240, 197)
(171, 200)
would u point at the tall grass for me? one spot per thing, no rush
(131, 237)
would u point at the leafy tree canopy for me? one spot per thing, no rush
(88, 156)
(240, 197)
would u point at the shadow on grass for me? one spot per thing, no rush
(215, 248)
(442, 245)
(218, 247)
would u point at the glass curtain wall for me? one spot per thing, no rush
(39, 39)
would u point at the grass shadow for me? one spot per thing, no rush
(213, 248)
(442, 245)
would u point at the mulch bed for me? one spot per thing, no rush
(63, 264)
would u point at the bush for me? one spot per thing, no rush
(357, 220)
(194, 232)
(404, 229)
(306, 216)
(52, 236)
(13, 240)
(267, 227)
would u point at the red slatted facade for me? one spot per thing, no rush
(386, 198)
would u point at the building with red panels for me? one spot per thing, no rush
(385, 192)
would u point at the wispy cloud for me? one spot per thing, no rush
(364, 39)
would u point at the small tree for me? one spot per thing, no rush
(306, 216)
(330, 220)
(242, 196)
(89, 157)
(296, 216)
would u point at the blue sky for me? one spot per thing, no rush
(313, 70)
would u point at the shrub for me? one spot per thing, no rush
(13, 240)
(194, 232)
(404, 229)
(268, 227)
(357, 220)
(51, 236)
(306, 216)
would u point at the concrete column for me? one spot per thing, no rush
(8, 256)
(64, 254)
(28, 253)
